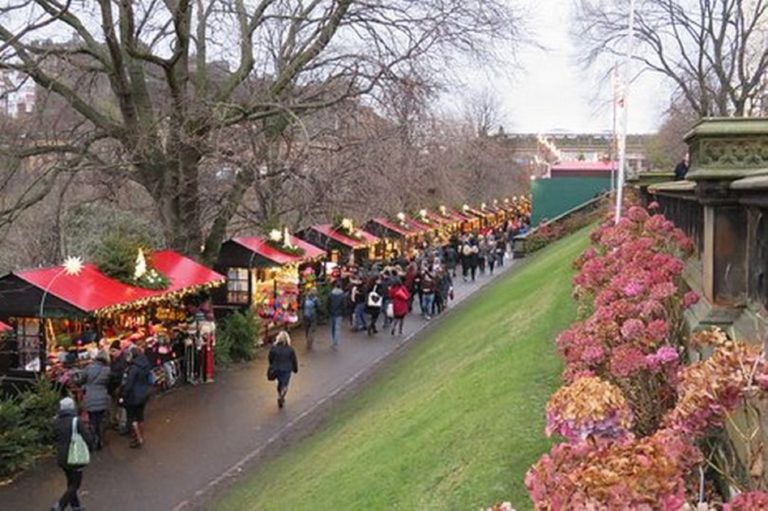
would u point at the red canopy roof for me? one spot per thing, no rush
(440, 219)
(91, 290)
(417, 225)
(328, 230)
(5, 327)
(396, 228)
(259, 245)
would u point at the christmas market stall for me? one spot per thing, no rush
(444, 226)
(475, 219)
(399, 237)
(345, 244)
(266, 274)
(62, 316)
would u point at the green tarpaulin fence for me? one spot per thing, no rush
(553, 197)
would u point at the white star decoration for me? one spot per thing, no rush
(73, 265)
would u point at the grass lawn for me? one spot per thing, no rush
(454, 425)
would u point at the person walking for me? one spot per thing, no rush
(400, 298)
(336, 308)
(466, 257)
(135, 393)
(450, 260)
(490, 252)
(310, 308)
(428, 285)
(474, 258)
(282, 362)
(374, 302)
(358, 296)
(384, 283)
(117, 367)
(95, 380)
(62, 433)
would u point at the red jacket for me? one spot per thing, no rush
(399, 295)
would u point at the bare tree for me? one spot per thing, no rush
(484, 112)
(715, 52)
(156, 89)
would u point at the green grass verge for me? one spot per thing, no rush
(454, 425)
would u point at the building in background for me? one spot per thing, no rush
(17, 94)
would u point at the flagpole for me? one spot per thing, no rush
(624, 116)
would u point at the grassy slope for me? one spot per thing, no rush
(454, 425)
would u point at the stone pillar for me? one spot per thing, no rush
(724, 152)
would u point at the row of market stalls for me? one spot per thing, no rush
(268, 273)
(58, 317)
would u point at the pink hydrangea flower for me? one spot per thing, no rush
(632, 329)
(690, 298)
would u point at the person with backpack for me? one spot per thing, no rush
(135, 392)
(282, 361)
(65, 432)
(310, 307)
(374, 302)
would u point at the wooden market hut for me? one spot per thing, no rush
(341, 248)
(256, 269)
(41, 304)
(399, 237)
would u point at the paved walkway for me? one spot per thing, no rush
(198, 436)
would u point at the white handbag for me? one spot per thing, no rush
(374, 299)
(78, 454)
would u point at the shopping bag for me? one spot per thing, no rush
(390, 310)
(78, 454)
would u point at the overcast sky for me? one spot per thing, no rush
(550, 91)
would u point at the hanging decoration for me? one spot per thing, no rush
(423, 218)
(282, 241)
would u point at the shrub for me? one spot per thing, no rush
(26, 426)
(239, 332)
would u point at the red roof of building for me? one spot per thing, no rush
(584, 166)
(328, 230)
(396, 228)
(461, 217)
(90, 290)
(260, 246)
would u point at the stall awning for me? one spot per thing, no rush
(91, 291)
(260, 246)
(394, 227)
(366, 238)
(4, 327)
(478, 213)
(439, 219)
(417, 226)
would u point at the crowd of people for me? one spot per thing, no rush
(118, 384)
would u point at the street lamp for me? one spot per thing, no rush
(71, 266)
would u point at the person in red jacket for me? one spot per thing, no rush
(399, 296)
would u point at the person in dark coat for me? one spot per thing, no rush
(283, 361)
(62, 434)
(681, 169)
(374, 302)
(117, 367)
(135, 392)
(95, 379)
(336, 308)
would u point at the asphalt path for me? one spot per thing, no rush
(199, 438)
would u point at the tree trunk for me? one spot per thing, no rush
(176, 192)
